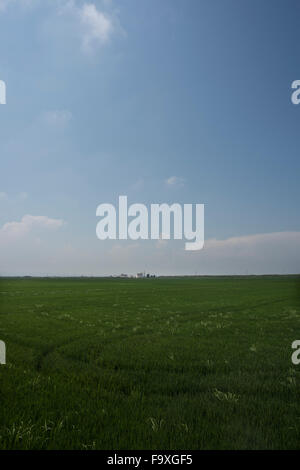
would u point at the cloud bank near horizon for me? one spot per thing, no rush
(37, 245)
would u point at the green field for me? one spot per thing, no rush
(166, 363)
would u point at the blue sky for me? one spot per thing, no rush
(164, 101)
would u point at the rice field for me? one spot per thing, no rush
(165, 363)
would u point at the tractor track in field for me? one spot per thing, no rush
(49, 350)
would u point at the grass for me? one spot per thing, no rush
(178, 363)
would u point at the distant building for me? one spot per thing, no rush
(144, 275)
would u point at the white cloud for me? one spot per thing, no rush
(94, 25)
(31, 247)
(248, 246)
(97, 26)
(277, 252)
(28, 224)
(175, 182)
